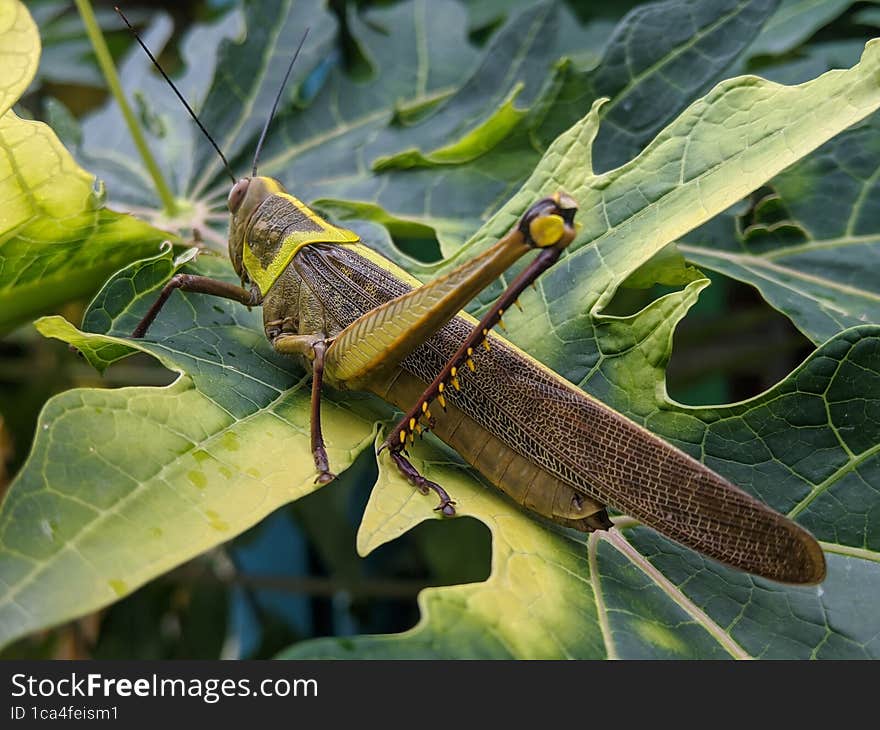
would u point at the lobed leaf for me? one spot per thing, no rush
(123, 485)
(811, 243)
(722, 147)
(642, 58)
(661, 57)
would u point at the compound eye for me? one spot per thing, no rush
(546, 230)
(236, 195)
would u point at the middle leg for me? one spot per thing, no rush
(314, 348)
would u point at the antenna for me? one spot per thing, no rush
(275, 105)
(179, 95)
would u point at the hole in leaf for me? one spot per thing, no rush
(377, 594)
(424, 249)
(354, 59)
(731, 345)
(628, 301)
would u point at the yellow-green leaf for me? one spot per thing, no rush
(57, 241)
(736, 138)
(19, 51)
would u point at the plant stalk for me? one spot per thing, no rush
(105, 61)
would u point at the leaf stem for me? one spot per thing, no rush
(105, 61)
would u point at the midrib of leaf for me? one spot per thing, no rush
(798, 248)
(850, 552)
(851, 465)
(615, 538)
(421, 48)
(273, 164)
(601, 611)
(840, 440)
(751, 262)
(636, 79)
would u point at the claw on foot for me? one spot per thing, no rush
(325, 477)
(447, 507)
(423, 485)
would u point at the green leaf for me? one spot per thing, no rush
(806, 243)
(124, 484)
(732, 141)
(488, 106)
(661, 57)
(646, 71)
(57, 241)
(794, 22)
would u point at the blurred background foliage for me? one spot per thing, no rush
(296, 575)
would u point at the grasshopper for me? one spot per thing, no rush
(358, 321)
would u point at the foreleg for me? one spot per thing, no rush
(549, 225)
(200, 285)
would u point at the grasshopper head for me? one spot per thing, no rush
(550, 221)
(246, 196)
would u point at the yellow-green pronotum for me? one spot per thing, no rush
(360, 322)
